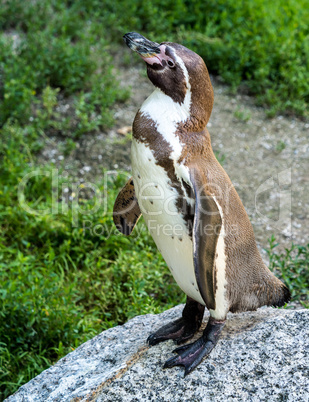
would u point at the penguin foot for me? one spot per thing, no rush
(179, 331)
(182, 329)
(191, 355)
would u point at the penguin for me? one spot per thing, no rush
(189, 204)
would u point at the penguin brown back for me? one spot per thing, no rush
(189, 204)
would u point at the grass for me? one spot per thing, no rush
(258, 44)
(55, 70)
(66, 276)
(242, 115)
(280, 146)
(292, 267)
(68, 45)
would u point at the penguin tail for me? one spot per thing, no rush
(281, 296)
(266, 290)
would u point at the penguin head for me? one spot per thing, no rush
(178, 72)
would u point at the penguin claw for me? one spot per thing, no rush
(152, 340)
(173, 361)
(191, 355)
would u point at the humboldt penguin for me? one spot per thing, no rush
(189, 204)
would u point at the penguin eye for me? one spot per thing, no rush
(171, 63)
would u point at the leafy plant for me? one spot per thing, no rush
(280, 146)
(261, 44)
(66, 274)
(242, 115)
(292, 267)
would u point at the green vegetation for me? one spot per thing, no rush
(67, 44)
(262, 44)
(280, 146)
(62, 283)
(55, 70)
(242, 115)
(292, 267)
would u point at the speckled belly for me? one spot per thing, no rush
(157, 200)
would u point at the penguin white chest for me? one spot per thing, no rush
(157, 201)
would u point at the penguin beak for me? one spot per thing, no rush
(151, 52)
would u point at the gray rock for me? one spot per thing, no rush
(262, 356)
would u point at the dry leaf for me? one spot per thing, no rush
(124, 130)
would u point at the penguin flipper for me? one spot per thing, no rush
(206, 229)
(126, 211)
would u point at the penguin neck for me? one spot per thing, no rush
(165, 126)
(163, 109)
(202, 100)
(170, 116)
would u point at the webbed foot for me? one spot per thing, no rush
(182, 329)
(178, 330)
(190, 356)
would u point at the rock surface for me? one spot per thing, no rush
(262, 356)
